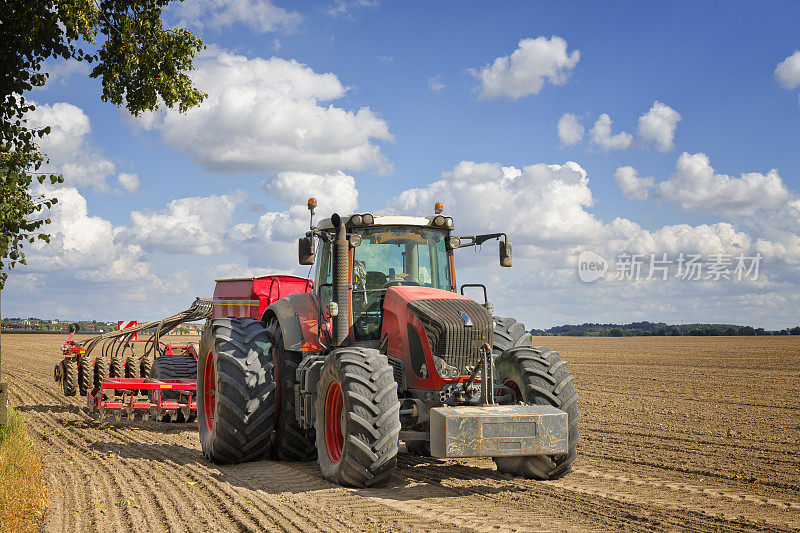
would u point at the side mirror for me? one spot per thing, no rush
(505, 254)
(305, 250)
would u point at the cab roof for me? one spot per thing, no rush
(385, 220)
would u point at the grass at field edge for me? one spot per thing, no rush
(23, 496)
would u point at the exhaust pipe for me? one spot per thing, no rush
(340, 289)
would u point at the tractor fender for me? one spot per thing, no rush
(297, 317)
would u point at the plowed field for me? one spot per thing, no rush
(676, 433)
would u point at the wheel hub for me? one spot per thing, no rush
(334, 438)
(209, 391)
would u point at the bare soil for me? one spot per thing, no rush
(676, 434)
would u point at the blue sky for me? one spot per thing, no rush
(402, 104)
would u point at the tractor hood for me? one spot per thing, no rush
(409, 293)
(450, 327)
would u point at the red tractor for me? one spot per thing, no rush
(381, 348)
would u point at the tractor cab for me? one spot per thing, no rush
(386, 252)
(392, 252)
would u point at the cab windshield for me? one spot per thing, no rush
(400, 256)
(394, 256)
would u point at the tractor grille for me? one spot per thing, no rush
(458, 344)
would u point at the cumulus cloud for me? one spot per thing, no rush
(554, 199)
(527, 69)
(197, 225)
(601, 135)
(61, 71)
(335, 192)
(436, 84)
(633, 187)
(260, 16)
(658, 126)
(129, 182)
(570, 129)
(88, 247)
(345, 8)
(695, 185)
(67, 147)
(267, 115)
(788, 71)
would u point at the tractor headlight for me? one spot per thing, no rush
(438, 220)
(448, 223)
(368, 219)
(356, 220)
(333, 309)
(454, 242)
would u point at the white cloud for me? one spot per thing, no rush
(788, 71)
(345, 8)
(623, 235)
(61, 71)
(68, 148)
(87, 247)
(261, 16)
(335, 192)
(266, 115)
(570, 129)
(695, 185)
(658, 126)
(436, 83)
(129, 182)
(601, 135)
(525, 71)
(196, 225)
(632, 186)
(484, 196)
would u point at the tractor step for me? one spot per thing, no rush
(498, 430)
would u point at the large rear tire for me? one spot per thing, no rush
(292, 442)
(509, 333)
(235, 391)
(357, 418)
(538, 376)
(69, 379)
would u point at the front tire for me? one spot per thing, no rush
(508, 333)
(235, 391)
(357, 418)
(538, 376)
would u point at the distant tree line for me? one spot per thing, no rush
(639, 329)
(38, 325)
